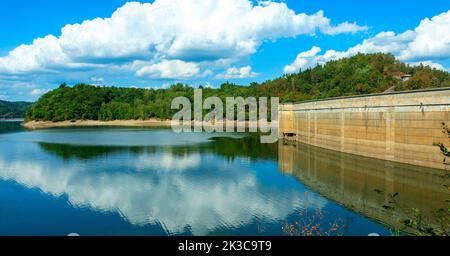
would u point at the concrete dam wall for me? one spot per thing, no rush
(400, 127)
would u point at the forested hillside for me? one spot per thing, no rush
(361, 74)
(13, 109)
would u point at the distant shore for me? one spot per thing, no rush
(130, 123)
(11, 119)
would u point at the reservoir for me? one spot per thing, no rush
(151, 181)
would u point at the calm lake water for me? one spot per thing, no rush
(136, 181)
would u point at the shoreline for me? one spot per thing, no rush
(130, 123)
(34, 125)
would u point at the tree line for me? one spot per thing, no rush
(10, 110)
(360, 74)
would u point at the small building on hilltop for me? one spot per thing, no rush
(402, 76)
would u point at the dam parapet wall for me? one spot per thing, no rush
(399, 126)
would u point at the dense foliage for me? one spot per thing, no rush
(361, 74)
(13, 109)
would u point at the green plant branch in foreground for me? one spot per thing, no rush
(417, 221)
(444, 150)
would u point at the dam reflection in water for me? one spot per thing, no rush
(382, 190)
(104, 181)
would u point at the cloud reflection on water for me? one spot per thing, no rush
(202, 191)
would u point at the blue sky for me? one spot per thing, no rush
(204, 42)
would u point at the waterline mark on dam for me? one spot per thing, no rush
(240, 114)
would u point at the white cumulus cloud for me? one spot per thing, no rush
(304, 60)
(38, 92)
(342, 28)
(430, 40)
(180, 30)
(236, 73)
(96, 79)
(430, 64)
(42, 53)
(170, 69)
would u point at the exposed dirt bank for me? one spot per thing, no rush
(140, 123)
